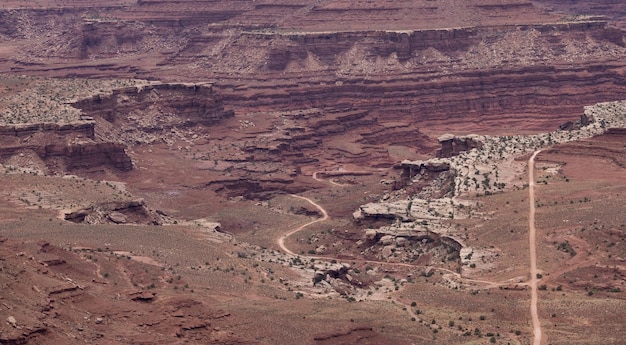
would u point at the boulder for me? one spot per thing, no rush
(437, 165)
(387, 251)
(117, 217)
(370, 234)
(386, 240)
(401, 241)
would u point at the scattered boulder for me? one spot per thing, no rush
(370, 234)
(387, 251)
(116, 212)
(338, 277)
(386, 240)
(143, 296)
(117, 217)
(320, 250)
(401, 241)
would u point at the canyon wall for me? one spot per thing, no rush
(519, 66)
(97, 143)
(530, 77)
(409, 45)
(614, 10)
(188, 104)
(533, 98)
(88, 156)
(64, 158)
(12, 133)
(411, 72)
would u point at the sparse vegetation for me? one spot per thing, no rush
(240, 172)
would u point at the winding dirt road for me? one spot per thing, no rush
(339, 173)
(321, 180)
(532, 239)
(281, 243)
(281, 240)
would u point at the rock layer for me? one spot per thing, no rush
(188, 105)
(111, 122)
(519, 66)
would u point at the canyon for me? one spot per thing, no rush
(317, 172)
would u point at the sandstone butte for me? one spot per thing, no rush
(316, 172)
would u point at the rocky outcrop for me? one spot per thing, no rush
(338, 276)
(399, 235)
(10, 133)
(413, 168)
(154, 113)
(119, 212)
(361, 332)
(255, 188)
(433, 178)
(102, 39)
(61, 156)
(406, 210)
(22, 336)
(162, 106)
(583, 121)
(88, 156)
(613, 10)
(112, 121)
(408, 241)
(452, 145)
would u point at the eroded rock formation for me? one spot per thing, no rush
(452, 145)
(111, 122)
(131, 212)
(192, 104)
(62, 148)
(518, 68)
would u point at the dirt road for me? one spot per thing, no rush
(532, 239)
(532, 249)
(281, 240)
(321, 180)
(281, 243)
